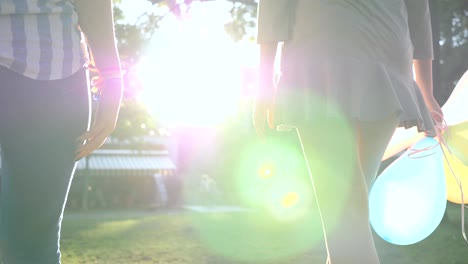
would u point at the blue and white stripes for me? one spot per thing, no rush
(40, 38)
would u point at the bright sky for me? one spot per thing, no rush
(191, 73)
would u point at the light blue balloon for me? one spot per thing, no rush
(408, 200)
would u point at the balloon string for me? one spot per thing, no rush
(440, 129)
(459, 183)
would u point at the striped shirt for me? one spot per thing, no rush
(40, 39)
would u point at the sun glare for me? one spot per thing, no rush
(191, 75)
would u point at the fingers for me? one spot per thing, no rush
(438, 116)
(90, 141)
(261, 120)
(271, 118)
(105, 122)
(263, 113)
(436, 110)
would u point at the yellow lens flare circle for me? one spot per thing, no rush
(290, 199)
(266, 172)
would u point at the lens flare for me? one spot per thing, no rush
(253, 237)
(272, 179)
(266, 172)
(290, 199)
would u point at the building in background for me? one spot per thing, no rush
(139, 173)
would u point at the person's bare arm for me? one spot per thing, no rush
(419, 22)
(265, 95)
(423, 71)
(267, 70)
(96, 23)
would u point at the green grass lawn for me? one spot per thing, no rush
(180, 237)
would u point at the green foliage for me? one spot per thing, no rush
(134, 121)
(130, 41)
(133, 38)
(243, 20)
(453, 39)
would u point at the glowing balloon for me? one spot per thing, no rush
(455, 110)
(408, 200)
(402, 139)
(454, 194)
(457, 140)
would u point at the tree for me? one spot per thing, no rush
(132, 39)
(136, 122)
(450, 24)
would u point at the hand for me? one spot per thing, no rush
(105, 119)
(264, 107)
(264, 111)
(436, 110)
(438, 116)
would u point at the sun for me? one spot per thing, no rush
(191, 74)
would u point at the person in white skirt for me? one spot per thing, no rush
(346, 82)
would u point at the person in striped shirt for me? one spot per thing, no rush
(45, 114)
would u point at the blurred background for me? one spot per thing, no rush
(190, 74)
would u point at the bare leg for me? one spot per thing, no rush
(342, 192)
(372, 139)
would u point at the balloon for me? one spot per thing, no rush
(455, 110)
(402, 139)
(456, 138)
(408, 200)
(461, 173)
